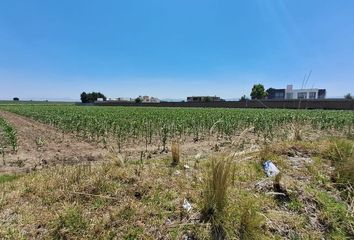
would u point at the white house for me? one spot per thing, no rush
(147, 99)
(313, 93)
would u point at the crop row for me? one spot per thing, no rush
(8, 137)
(162, 124)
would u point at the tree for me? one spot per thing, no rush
(16, 99)
(91, 97)
(348, 96)
(269, 91)
(138, 100)
(207, 99)
(258, 92)
(83, 97)
(244, 98)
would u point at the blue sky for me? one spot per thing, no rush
(173, 48)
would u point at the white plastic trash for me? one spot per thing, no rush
(270, 169)
(186, 205)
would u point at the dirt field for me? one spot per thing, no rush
(41, 146)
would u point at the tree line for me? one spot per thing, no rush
(91, 97)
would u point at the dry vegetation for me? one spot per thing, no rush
(230, 195)
(143, 199)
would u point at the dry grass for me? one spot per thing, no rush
(175, 149)
(215, 196)
(250, 222)
(341, 153)
(113, 200)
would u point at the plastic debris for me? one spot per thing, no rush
(270, 169)
(186, 166)
(186, 205)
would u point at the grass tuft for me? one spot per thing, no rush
(8, 178)
(215, 196)
(250, 222)
(341, 153)
(69, 224)
(175, 153)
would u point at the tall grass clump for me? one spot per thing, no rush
(341, 153)
(175, 149)
(215, 196)
(250, 222)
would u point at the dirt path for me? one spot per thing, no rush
(41, 145)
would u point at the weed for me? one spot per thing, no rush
(2, 153)
(133, 233)
(8, 178)
(335, 215)
(341, 153)
(297, 133)
(250, 222)
(69, 223)
(175, 149)
(295, 205)
(215, 196)
(39, 142)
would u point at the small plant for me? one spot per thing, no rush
(175, 149)
(250, 222)
(295, 205)
(69, 223)
(9, 135)
(2, 153)
(215, 196)
(297, 132)
(335, 215)
(341, 153)
(39, 142)
(8, 178)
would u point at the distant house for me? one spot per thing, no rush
(204, 99)
(122, 99)
(290, 93)
(276, 93)
(148, 99)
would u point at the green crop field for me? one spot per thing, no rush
(164, 124)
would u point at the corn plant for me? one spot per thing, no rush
(9, 135)
(159, 126)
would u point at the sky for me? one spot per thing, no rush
(173, 48)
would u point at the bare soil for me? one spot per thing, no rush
(42, 146)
